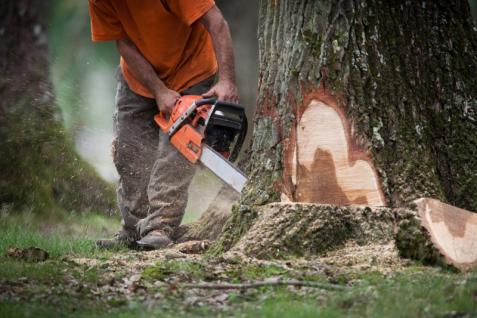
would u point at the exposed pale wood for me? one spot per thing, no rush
(452, 230)
(326, 166)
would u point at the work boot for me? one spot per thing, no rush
(154, 240)
(121, 239)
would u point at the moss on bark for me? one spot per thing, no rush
(237, 225)
(40, 168)
(413, 241)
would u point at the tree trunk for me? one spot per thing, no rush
(361, 102)
(38, 167)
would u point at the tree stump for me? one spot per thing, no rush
(299, 229)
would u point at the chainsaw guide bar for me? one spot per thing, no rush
(223, 168)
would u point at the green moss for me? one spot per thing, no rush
(313, 41)
(171, 268)
(237, 225)
(255, 272)
(414, 243)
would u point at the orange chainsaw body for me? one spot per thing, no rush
(189, 136)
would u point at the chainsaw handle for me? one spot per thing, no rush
(162, 121)
(214, 101)
(205, 101)
(236, 107)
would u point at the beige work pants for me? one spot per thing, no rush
(153, 176)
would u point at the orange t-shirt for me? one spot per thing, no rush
(164, 31)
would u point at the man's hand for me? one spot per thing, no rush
(166, 99)
(224, 90)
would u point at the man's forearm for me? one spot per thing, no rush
(218, 28)
(222, 41)
(141, 69)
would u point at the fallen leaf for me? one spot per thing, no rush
(191, 300)
(194, 247)
(30, 254)
(173, 255)
(135, 278)
(85, 261)
(222, 297)
(14, 252)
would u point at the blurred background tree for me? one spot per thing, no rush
(83, 77)
(39, 168)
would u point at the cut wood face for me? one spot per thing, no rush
(453, 231)
(325, 166)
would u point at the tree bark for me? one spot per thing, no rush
(362, 102)
(39, 168)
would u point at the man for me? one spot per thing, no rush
(168, 48)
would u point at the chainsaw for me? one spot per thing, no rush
(208, 131)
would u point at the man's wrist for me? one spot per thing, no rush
(227, 79)
(159, 89)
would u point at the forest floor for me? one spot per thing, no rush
(78, 280)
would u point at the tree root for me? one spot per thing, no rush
(265, 283)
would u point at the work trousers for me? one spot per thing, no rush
(153, 176)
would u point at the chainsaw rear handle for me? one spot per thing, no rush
(205, 101)
(214, 101)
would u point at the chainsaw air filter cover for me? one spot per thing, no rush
(226, 129)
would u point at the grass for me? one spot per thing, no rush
(165, 269)
(197, 271)
(133, 310)
(23, 236)
(416, 291)
(59, 234)
(404, 295)
(440, 294)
